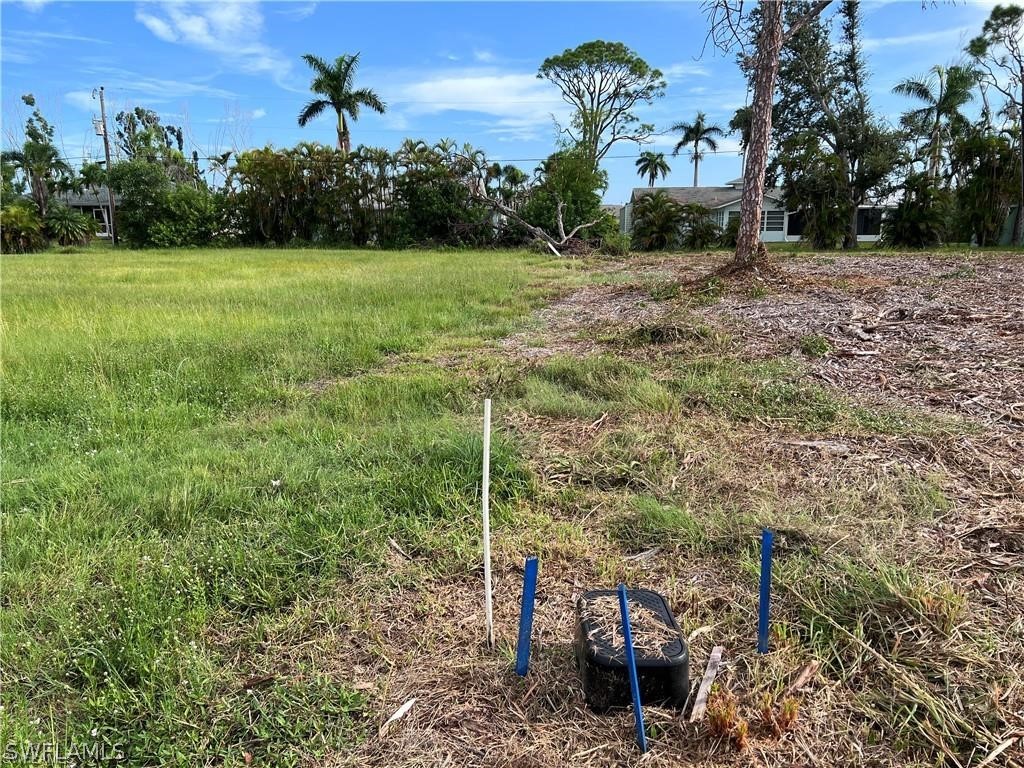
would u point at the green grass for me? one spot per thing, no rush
(192, 440)
(585, 388)
(815, 345)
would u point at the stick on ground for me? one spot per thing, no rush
(401, 712)
(700, 705)
(802, 680)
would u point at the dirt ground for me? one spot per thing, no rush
(941, 335)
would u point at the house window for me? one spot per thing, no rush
(101, 221)
(733, 216)
(795, 224)
(99, 214)
(772, 221)
(719, 218)
(869, 221)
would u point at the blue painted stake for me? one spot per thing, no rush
(526, 617)
(634, 683)
(763, 614)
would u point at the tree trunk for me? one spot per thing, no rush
(1018, 226)
(696, 166)
(850, 240)
(41, 193)
(344, 139)
(766, 69)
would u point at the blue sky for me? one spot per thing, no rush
(231, 72)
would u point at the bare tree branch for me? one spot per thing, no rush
(812, 13)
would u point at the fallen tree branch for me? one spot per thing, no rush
(537, 232)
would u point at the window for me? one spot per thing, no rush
(869, 221)
(733, 216)
(100, 215)
(772, 221)
(795, 224)
(719, 218)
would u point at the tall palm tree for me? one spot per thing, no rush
(652, 165)
(699, 135)
(334, 82)
(944, 90)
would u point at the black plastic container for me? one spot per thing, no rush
(664, 677)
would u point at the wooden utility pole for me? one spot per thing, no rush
(106, 151)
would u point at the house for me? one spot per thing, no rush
(777, 224)
(616, 212)
(95, 204)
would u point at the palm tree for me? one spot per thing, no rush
(741, 124)
(657, 220)
(92, 176)
(43, 166)
(652, 165)
(698, 134)
(944, 90)
(513, 181)
(335, 83)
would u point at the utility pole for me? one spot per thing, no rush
(106, 150)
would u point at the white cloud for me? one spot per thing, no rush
(25, 46)
(9, 55)
(483, 56)
(40, 36)
(35, 5)
(157, 26)
(123, 82)
(231, 29)
(674, 72)
(298, 11)
(521, 104)
(82, 99)
(258, 113)
(955, 36)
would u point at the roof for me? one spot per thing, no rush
(709, 197)
(611, 207)
(88, 197)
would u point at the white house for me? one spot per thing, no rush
(777, 224)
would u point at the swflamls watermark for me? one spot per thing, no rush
(54, 753)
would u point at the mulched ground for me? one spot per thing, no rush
(944, 333)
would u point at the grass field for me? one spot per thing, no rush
(192, 440)
(240, 495)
